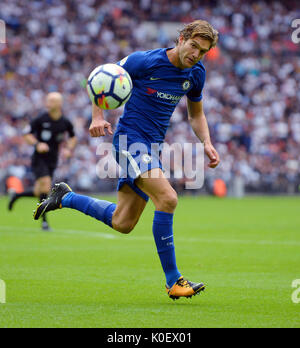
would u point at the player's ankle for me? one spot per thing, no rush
(65, 201)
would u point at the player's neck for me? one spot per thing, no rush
(55, 114)
(174, 59)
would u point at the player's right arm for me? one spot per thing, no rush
(134, 64)
(98, 125)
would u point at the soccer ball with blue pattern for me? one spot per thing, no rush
(109, 86)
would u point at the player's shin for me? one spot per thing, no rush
(98, 209)
(163, 235)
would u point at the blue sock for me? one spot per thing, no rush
(163, 235)
(100, 210)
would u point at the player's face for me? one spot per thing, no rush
(192, 50)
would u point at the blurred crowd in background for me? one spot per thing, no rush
(251, 95)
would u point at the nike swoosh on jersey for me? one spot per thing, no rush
(155, 78)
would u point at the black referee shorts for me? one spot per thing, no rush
(43, 167)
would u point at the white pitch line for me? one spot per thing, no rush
(96, 234)
(88, 234)
(73, 232)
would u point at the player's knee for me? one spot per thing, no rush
(125, 227)
(168, 202)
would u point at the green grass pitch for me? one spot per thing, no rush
(83, 274)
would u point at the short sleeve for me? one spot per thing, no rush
(32, 128)
(70, 129)
(198, 81)
(134, 64)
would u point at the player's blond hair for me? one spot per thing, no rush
(199, 28)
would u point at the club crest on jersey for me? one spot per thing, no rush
(186, 85)
(146, 158)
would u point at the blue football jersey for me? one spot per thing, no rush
(158, 87)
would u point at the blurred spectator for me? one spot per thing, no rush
(251, 95)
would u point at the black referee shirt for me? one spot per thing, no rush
(51, 132)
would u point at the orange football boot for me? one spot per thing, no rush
(184, 288)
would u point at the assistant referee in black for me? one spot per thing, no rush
(46, 133)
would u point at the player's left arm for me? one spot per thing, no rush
(71, 142)
(199, 124)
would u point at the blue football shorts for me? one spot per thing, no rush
(135, 155)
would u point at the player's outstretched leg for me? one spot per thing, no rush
(164, 197)
(121, 217)
(15, 196)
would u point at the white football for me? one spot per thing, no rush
(109, 86)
